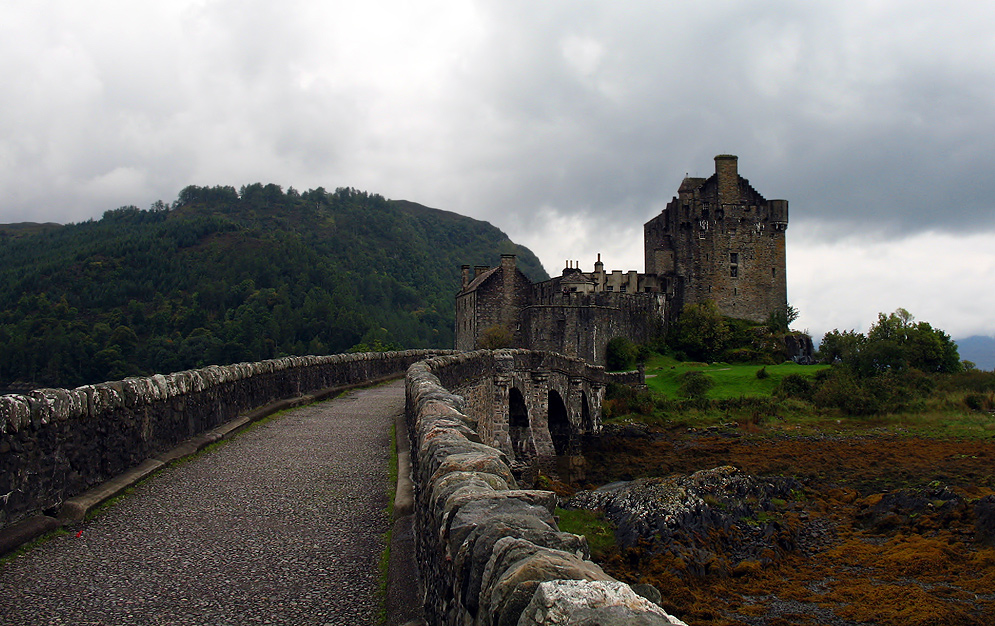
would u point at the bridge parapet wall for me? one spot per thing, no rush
(490, 552)
(485, 380)
(57, 443)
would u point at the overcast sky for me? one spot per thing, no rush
(567, 124)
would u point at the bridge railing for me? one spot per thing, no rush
(57, 443)
(489, 552)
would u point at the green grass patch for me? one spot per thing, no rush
(743, 396)
(599, 531)
(110, 502)
(663, 375)
(31, 545)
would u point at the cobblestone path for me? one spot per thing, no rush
(283, 524)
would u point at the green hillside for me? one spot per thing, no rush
(226, 275)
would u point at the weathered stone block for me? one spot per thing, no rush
(513, 590)
(477, 550)
(471, 457)
(590, 603)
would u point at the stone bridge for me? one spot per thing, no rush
(479, 424)
(533, 406)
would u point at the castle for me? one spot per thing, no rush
(717, 240)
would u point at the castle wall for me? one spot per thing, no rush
(466, 321)
(581, 325)
(495, 302)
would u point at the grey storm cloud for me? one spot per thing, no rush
(881, 114)
(565, 122)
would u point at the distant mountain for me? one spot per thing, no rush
(225, 275)
(978, 349)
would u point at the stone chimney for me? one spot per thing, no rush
(479, 269)
(727, 173)
(508, 310)
(465, 276)
(599, 274)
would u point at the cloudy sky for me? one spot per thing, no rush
(566, 123)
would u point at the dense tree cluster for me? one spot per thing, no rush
(895, 343)
(225, 275)
(701, 333)
(893, 368)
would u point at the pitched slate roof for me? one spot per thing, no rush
(479, 280)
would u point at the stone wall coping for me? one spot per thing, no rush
(41, 406)
(489, 552)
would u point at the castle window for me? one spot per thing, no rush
(734, 257)
(735, 291)
(621, 289)
(773, 272)
(733, 271)
(610, 288)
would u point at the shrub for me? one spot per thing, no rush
(624, 400)
(794, 386)
(842, 391)
(700, 332)
(495, 337)
(741, 355)
(694, 385)
(620, 354)
(921, 383)
(760, 408)
(762, 373)
(978, 402)
(970, 380)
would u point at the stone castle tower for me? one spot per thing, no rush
(717, 239)
(720, 240)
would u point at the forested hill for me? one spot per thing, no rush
(226, 275)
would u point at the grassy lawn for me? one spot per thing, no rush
(731, 380)
(738, 396)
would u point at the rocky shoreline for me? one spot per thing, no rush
(741, 529)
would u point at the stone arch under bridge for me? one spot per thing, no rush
(541, 405)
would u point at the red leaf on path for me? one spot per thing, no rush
(79, 534)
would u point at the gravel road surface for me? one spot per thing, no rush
(283, 524)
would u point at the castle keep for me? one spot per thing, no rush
(718, 240)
